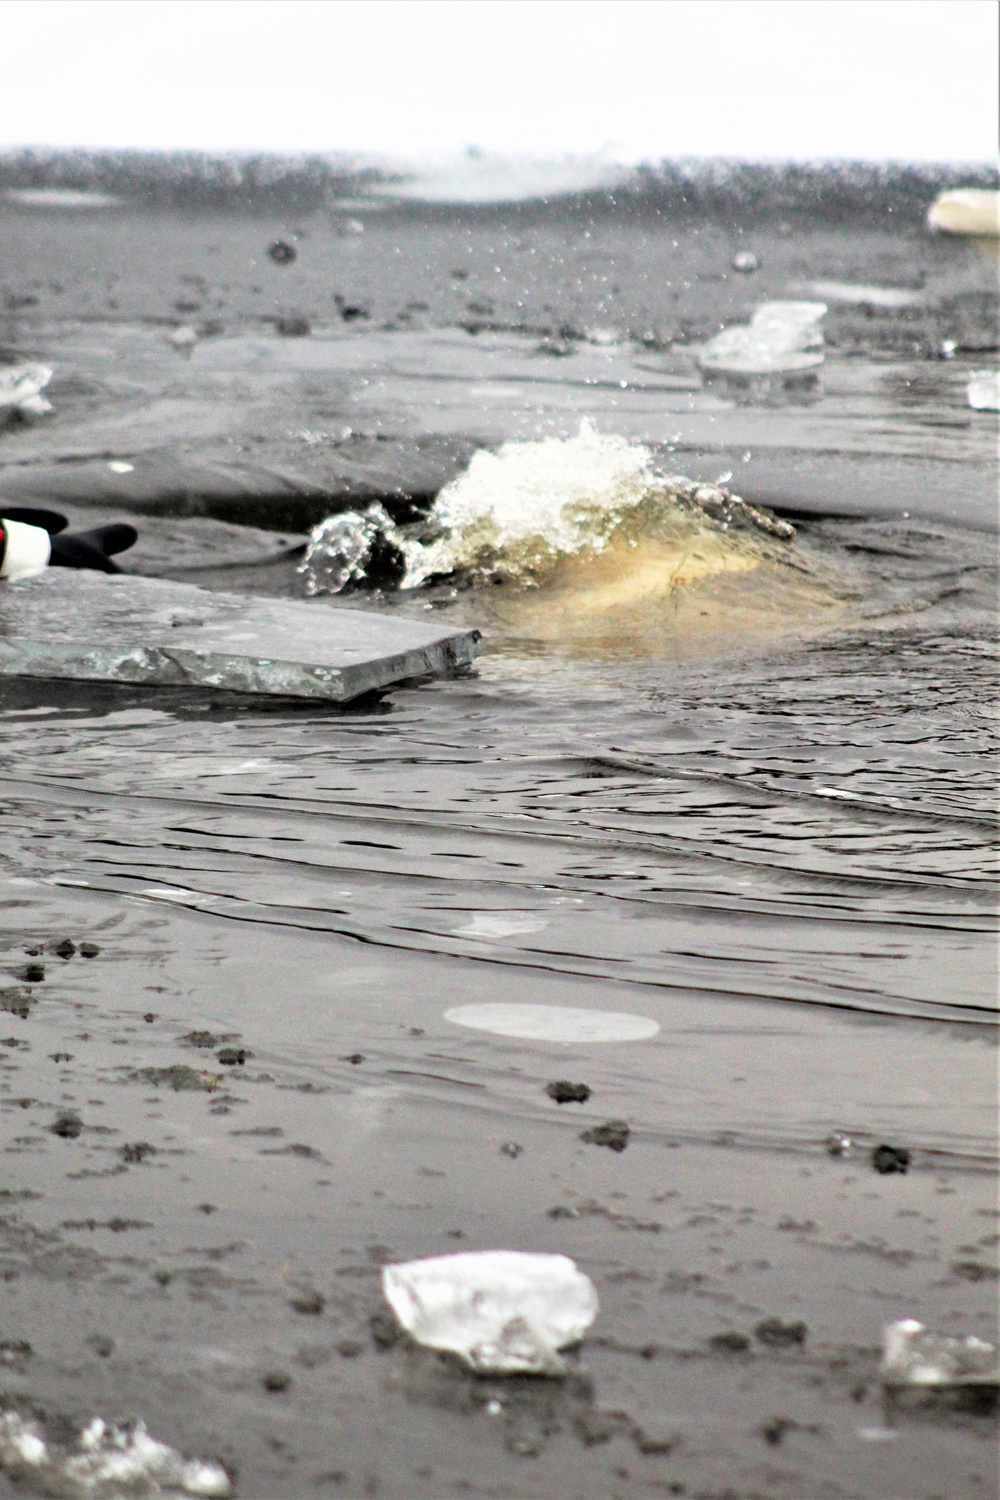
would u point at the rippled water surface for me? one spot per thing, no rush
(797, 823)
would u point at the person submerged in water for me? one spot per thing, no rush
(33, 540)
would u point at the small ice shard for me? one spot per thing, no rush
(973, 211)
(33, 407)
(913, 1356)
(184, 338)
(775, 357)
(21, 389)
(983, 390)
(106, 1462)
(503, 1312)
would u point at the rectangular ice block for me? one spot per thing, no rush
(120, 628)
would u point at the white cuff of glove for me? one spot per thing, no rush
(27, 551)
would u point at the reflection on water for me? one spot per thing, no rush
(554, 1023)
(668, 597)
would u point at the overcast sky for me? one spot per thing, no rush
(912, 79)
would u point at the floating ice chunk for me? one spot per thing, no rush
(503, 1312)
(983, 390)
(966, 211)
(183, 338)
(605, 337)
(106, 1462)
(789, 326)
(912, 1356)
(554, 1023)
(776, 355)
(20, 390)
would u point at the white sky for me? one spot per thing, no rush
(914, 79)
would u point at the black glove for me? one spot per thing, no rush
(92, 549)
(78, 549)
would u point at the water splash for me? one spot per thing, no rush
(341, 549)
(521, 512)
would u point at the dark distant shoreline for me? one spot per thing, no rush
(266, 182)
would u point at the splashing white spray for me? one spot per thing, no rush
(517, 512)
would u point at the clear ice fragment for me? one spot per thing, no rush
(504, 1312)
(776, 355)
(913, 1356)
(20, 390)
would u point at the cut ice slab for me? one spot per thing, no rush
(119, 628)
(503, 1312)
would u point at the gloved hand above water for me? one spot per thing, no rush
(32, 539)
